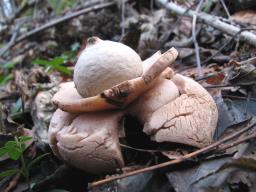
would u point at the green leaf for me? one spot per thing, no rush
(57, 61)
(41, 62)
(34, 161)
(14, 153)
(8, 173)
(56, 64)
(25, 138)
(62, 69)
(10, 144)
(5, 78)
(3, 151)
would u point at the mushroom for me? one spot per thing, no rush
(190, 119)
(119, 95)
(87, 141)
(160, 94)
(178, 110)
(104, 64)
(82, 133)
(84, 130)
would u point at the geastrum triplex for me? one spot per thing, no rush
(110, 80)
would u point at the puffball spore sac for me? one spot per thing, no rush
(104, 64)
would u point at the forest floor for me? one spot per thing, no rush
(216, 42)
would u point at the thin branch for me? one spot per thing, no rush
(248, 61)
(218, 86)
(237, 97)
(27, 4)
(123, 18)
(198, 62)
(56, 22)
(175, 161)
(225, 8)
(64, 19)
(223, 46)
(141, 150)
(213, 21)
(208, 76)
(12, 40)
(237, 142)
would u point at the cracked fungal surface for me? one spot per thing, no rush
(188, 117)
(174, 109)
(88, 141)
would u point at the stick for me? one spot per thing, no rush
(27, 4)
(57, 21)
(198, 61)
(225, 8)
(225, 44)
(213, 21)
(237, 97)
(120, 95)
(175, 161)
(237, 142)
(63, 19)
(10, 43)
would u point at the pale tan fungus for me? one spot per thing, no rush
(122, 94)
(87, 141)
(173, 108)
(104, 64)
(190, 119)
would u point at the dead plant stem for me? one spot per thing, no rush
(175, 161)
(198, 61)
(54, 23)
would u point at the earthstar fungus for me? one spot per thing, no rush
(84, 130)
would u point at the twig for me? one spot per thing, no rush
(123, 18)
(218, 86)
(11, 42)
(198, 62)
(64, 19)
(152, 6)
(175, 161)
(225, 8)
(213, 21)
(58, 21)
(164, 38)
(208, 76)
(248, 61)
(223, 46)
(237, 142)
(19, 11)
(141, 150)
(247, 102)
(237, 97)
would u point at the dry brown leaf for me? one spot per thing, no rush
(246, 16)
